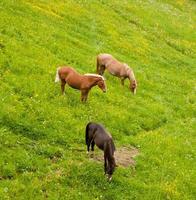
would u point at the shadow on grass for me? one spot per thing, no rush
(23, 129)
(28, 131)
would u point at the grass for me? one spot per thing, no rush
(42, 133)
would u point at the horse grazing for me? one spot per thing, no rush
(84, 83)
(116, 68)
(96, 134)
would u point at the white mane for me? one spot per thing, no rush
(95, 75)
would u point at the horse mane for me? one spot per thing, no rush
(130, 72)
(109, 153)
(95, 75)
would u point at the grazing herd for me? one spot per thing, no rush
(96, 133)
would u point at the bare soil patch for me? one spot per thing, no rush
(124, 156)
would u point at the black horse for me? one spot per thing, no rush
(96, 134)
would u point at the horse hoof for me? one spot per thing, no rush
(92, 155)
(109, 179)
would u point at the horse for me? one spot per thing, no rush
(84, 83)
(116, 68)
(96, 134)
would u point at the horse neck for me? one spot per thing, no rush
(131, 75)
(93, 81)
(109, 151)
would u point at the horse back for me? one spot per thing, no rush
(104, 58)
(100, 136)
(71, 76)
(65, 71)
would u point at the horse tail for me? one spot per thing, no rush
(87, 136)
(57, 78)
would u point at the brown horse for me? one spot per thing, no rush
(96, 134)
(84, 83)
(116, 68)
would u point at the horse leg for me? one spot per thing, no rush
(88, 147)
(63, 82)
(92, 145)
(84, 95)
(122, 80)
(102, 70)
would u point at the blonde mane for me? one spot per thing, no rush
(95, 75)
(130, 71)
(131, 75)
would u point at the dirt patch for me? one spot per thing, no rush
(124, 156)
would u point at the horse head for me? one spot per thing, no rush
(133, 86)
(133, 82)
(101, 84)
(97, 80)
(111, 168)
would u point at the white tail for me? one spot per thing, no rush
(57, 78)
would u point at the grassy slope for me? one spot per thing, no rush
(42, 151)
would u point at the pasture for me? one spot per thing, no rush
(42, 133)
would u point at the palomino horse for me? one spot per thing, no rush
(84, 83)
(96, 134)
(116, 68)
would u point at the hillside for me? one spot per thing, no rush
(42, 148)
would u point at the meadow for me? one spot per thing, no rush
(42, 146)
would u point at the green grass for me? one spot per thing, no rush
(42, 150)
